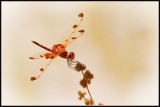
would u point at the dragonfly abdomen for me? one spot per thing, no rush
(41, 46)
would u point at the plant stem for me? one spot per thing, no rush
(88, 90)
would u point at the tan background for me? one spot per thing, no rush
(120, 47)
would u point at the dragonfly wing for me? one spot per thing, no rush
(72, 36)
(41, 65)
(38, 55)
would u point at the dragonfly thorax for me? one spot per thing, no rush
(58, 48)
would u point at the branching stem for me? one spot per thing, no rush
(89, 91)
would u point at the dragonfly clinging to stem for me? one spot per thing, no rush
(59, 49)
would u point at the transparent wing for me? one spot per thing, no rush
(38, 55)
(72, 36)
(41, 64)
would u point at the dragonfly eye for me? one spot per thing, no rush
(71, 55)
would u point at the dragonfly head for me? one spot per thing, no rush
(71, 55)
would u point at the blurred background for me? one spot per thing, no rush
(120, 47)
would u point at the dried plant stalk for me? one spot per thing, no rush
(87, 77)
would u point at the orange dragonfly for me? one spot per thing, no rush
(59, 49)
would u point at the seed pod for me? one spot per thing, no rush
(88, 75)
(83, 83)
(80, 67)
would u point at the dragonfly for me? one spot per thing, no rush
(58, 49)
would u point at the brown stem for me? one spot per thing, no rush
(88, 90)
